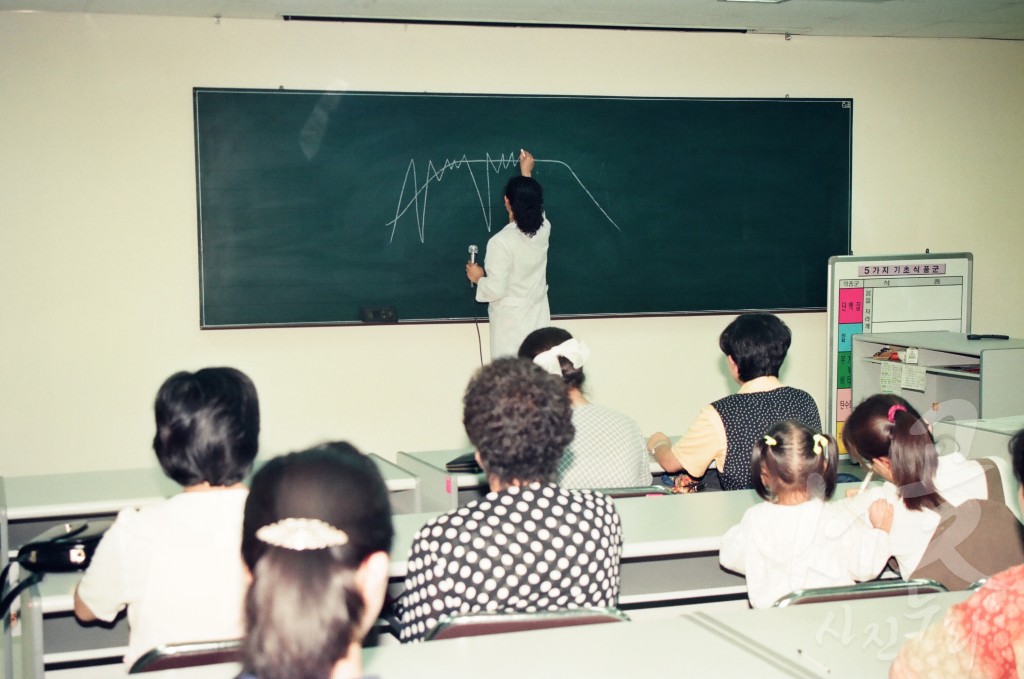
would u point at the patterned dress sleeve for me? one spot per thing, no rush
(416, 610)
(980, 638)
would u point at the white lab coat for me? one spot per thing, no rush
(515, 286)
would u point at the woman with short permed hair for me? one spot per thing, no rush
(528, 545)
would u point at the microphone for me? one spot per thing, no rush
(472, 257)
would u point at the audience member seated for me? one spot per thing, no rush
(528, 545)
(755, 346)
(980, 638)
(797, 539)
(888, 436)
(608, 448)
(175, 565)
(316, 539)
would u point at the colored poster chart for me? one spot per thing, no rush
(898, 293)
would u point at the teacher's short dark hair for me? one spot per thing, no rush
(758, 343)
(519, 419)
(207, 426)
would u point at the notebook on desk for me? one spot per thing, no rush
(464, 464)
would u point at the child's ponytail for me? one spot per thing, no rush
(913, 459)
(792, 458)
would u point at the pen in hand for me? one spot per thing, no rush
(864, 483)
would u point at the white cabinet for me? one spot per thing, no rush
(979, 438)
(955, 378)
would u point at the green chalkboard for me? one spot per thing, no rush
(313, 205)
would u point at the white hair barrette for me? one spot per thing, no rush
(302, 534)
(576, 351)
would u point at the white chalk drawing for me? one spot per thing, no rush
(417, 202)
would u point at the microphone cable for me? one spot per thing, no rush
(473, 250)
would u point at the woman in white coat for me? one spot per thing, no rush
(513, 279)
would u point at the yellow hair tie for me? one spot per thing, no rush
(770, 440)
(820, 444)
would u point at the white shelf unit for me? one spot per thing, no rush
(995, 390)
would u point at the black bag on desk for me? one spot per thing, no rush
(463, 464)
(64, 548)
(61, 549)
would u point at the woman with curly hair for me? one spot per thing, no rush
(515, 283)
(528, 545)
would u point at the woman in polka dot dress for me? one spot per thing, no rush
(528, 545)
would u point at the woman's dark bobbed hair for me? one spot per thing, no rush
(207, 426)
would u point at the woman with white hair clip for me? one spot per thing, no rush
(316, 537)
(609, 450)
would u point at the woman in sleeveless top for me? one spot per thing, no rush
(755, 346)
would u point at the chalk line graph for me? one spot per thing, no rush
(489, 165)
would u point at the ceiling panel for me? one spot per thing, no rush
(995, 19)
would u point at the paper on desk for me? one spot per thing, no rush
(891, 379)
(914, 377)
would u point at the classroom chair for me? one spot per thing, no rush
(498, 622)
(5, 557)
(1002, 487)
(974, 540)
(861, 590)
(190, 654)
(978, 538)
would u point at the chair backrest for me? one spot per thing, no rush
(974, 540)
(175, 656)
(633, 491)
(8, 647)
(1002, 486)
(862, 590)
(5, 540)
(477, 624)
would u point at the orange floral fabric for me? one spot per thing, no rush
(979, 638)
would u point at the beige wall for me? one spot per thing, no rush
(98, 253)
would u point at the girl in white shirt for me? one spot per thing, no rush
(887, 435)
(798, 540)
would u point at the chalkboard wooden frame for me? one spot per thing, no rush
(314, 205)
